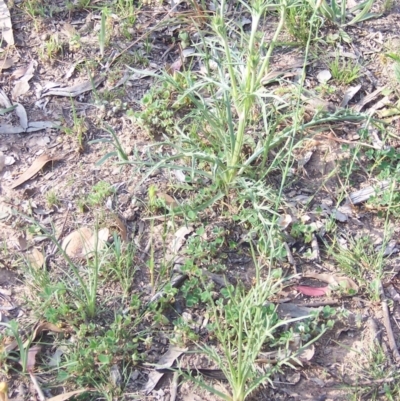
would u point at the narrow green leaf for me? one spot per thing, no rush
(105, 157)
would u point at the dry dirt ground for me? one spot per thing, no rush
(59, 48)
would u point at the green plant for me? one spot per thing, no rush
(78, 129)
(148, 45)
(104, 36)
(128, 10)
(396, 68)
(337, 12)
(99, 193)
(22, 346)
(119, 150)
(122, 264)
(157, 111)
(360, 261)
(35, 8)
(77, 5)
(244, 323)
(299, 22)
(52, 198)
(51, 48)
(224, 105)
(102, 33)
(88, 360)
(344, 72)
(80, 284)
(301, 230)
(374, 377)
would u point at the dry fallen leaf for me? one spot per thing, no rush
(345, 283)
(10, 347)
(307, 354)
(165, 361)
(364, 194)
(6, 27)
(273, 357)
(324, 76)
(368, 98)
(178, 241)
(99, 239)
(36, 166)
(35, 258)
(46, 326)
(169, 200)
(349, 94)
(289, 310)
(6, 63)
(76, 90)
(3, 391)
(284, 221)
(20, 88)
(121, 227)
(4, 100)
(77, 242)
(82, 243)
(10, 129)
(31, 360)
(22, 85)
(23, 117)
(313, 291)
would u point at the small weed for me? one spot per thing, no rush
(375, 368)
(298, 21)
(103, 37)
(77, 5)
(119, 150)
(74, 43)
(344, 72)
(157, 110)
(243, 323)
(361, 262)
(303, 231)
(81, 205)
(133, 58)
(387, 5)
(78, 129)
(122, 265)
(148, 45)
(22, 345)
(337, 12)
(396, 67)
(128, 10)
(51, 49)
(35, 8)
(325, 89)
(99, 193)
(52, 198)
(97, 349)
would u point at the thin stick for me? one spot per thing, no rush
(290, 257)
(388, 326)
(174, 386)
(37, 387)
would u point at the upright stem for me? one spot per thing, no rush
(252, 80)
(221, 32)
(265, 64)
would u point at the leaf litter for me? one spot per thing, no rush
(36, 166)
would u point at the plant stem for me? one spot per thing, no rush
(265, 65)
